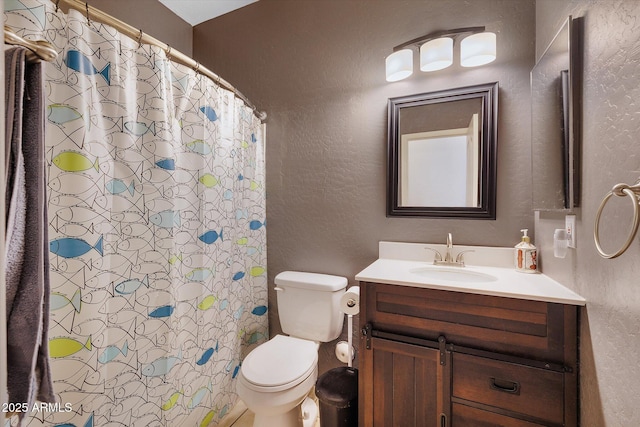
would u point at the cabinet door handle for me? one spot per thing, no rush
(512, 387)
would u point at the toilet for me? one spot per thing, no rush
(276, 377)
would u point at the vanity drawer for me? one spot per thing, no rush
(531, 329)
(467, 416)
(533, 392)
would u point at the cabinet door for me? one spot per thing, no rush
(402, 385)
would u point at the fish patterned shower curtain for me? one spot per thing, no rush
(157, 236)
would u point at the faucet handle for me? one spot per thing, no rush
(437, 257)
(460, 256)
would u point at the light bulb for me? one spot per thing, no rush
(478, 49)
(436, 54)
(399, 65)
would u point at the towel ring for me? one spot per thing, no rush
(620, 190)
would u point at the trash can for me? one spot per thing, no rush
(337, 391)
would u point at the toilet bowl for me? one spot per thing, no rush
(276, 378)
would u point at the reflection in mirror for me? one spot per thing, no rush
(555, 102)
(442, 153)
(446, 155)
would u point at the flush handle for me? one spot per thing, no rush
(278, 289)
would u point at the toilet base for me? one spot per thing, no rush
(303, 415)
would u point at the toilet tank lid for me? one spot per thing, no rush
(315, 281)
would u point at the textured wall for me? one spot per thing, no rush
(317, 68)
(153, 18)
(610, 348)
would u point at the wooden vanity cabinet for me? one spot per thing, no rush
(452, 359)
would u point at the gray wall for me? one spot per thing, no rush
(317, 68)
(610, 346)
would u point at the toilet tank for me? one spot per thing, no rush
(309, 304)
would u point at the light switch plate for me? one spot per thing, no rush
(570, 226)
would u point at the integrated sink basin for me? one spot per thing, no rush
(487, 271)
(453, 274)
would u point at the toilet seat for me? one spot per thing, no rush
(280, 363)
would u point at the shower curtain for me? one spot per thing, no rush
(157, 240)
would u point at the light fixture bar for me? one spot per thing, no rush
(436, 34)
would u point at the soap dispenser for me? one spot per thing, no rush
(526, 255)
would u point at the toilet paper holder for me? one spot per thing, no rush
(350, 301)
(350, 305)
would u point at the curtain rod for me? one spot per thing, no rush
(37, 50)
(141, 37)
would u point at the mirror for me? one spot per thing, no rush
(442, 153)
(555, 122)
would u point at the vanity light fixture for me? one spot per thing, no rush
(436, 51)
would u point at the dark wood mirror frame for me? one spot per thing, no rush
(487, 180)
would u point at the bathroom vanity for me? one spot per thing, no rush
(480, 345)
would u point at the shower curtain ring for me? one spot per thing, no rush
(140, 39)
(57, 8)
(88, 18)
(197, 67)
(168, 51)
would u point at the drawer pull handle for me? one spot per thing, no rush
(505, 386)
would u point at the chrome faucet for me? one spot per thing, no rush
(448, 259)
(448, 256)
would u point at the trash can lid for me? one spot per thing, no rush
(338, 387)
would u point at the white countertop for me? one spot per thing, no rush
(509, 282)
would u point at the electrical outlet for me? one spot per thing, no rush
(570, 227)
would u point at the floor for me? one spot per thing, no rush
(240, 416)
